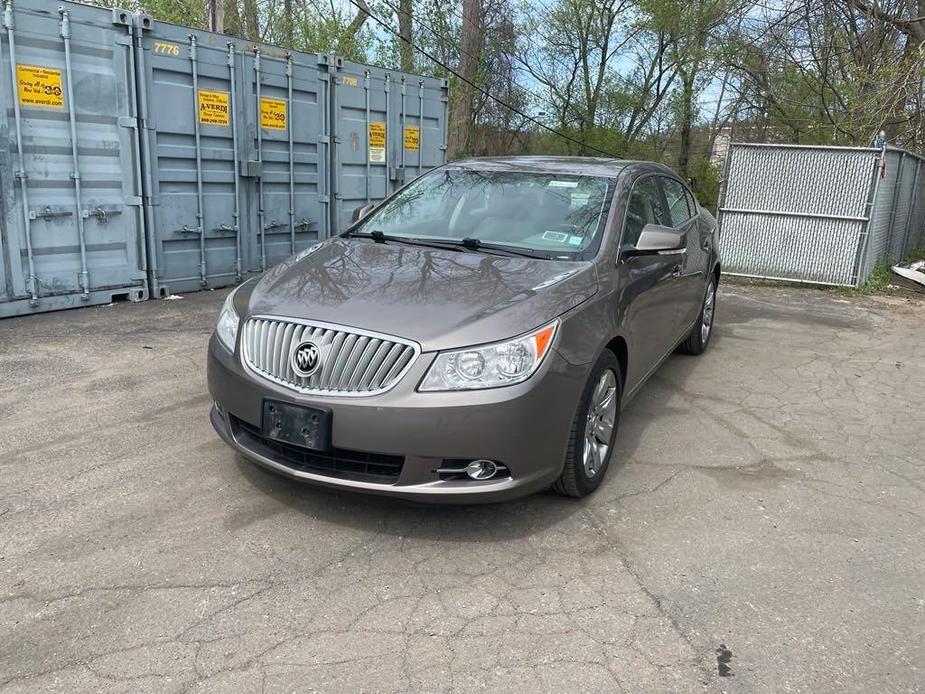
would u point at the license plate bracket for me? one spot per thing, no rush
(300, 425)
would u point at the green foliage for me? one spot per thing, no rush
(705, 179)
(880, 279)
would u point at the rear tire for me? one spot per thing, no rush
(699, 338)
(591, 445)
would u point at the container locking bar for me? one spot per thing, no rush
(291, 147)
(84, 276)
(203, 278)
(32, 281)
(236, 214)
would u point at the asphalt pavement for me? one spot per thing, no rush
(764, 531)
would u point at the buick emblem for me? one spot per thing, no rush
(305, 359)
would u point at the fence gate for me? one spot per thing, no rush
(825, 215)
(72, 231)
(796, 213)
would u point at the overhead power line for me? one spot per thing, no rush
(486, 93)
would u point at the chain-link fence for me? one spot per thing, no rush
(824, 215)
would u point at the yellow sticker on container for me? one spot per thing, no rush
(412, 138)
(39, 86)
(213, 108)
(272, 114)
(349, 81)
(376, 142)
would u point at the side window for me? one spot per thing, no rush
(644, 207)
(678, 201)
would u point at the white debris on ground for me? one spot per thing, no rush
(172, 297)
(914, 272)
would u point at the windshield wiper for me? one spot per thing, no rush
(465, 244)
(479, 245)
(381, 237)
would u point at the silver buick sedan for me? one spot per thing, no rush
(474, 336)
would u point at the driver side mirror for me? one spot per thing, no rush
(655, 238)
(362, 211)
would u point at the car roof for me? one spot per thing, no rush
(585, 166)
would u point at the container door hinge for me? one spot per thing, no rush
(122, 17)
(128, 122)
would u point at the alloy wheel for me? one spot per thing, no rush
(602, 413)
(709, 303)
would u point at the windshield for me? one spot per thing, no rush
(561, 215)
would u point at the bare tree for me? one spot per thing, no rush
(471, 41)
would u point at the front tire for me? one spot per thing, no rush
(594, 429)
(699, 339)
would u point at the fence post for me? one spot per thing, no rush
(874, 189)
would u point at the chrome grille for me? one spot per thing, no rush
(353, 362)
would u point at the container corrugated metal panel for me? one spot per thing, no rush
(252, 104)
(400, 135)
(44, 231)
(795, 213)
(281, 116)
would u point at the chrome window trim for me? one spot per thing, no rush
(416, 348)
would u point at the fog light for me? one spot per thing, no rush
(481, 469)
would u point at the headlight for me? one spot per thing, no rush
(227, 326)
(490, 366)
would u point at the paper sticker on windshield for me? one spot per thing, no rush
(39, 86)
(563, 184)
(272, 114)
(213, 107)
(555, 236)
(574, 240)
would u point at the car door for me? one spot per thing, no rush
(649, 283)
(682, 211)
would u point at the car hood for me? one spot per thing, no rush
(439, 298)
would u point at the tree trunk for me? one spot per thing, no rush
(687, 123)
(287, 11)
(251, 24)
(405, 49)
(217, 16)
(470, 46)
(359, 20)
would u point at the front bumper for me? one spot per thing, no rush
(525, 427)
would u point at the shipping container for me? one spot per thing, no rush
(140, 157)
(389, 127)
(72, 231)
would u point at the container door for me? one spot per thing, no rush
(194, 148)
(72, 223)
(362, 160)
(285, 99)
(419, 141)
